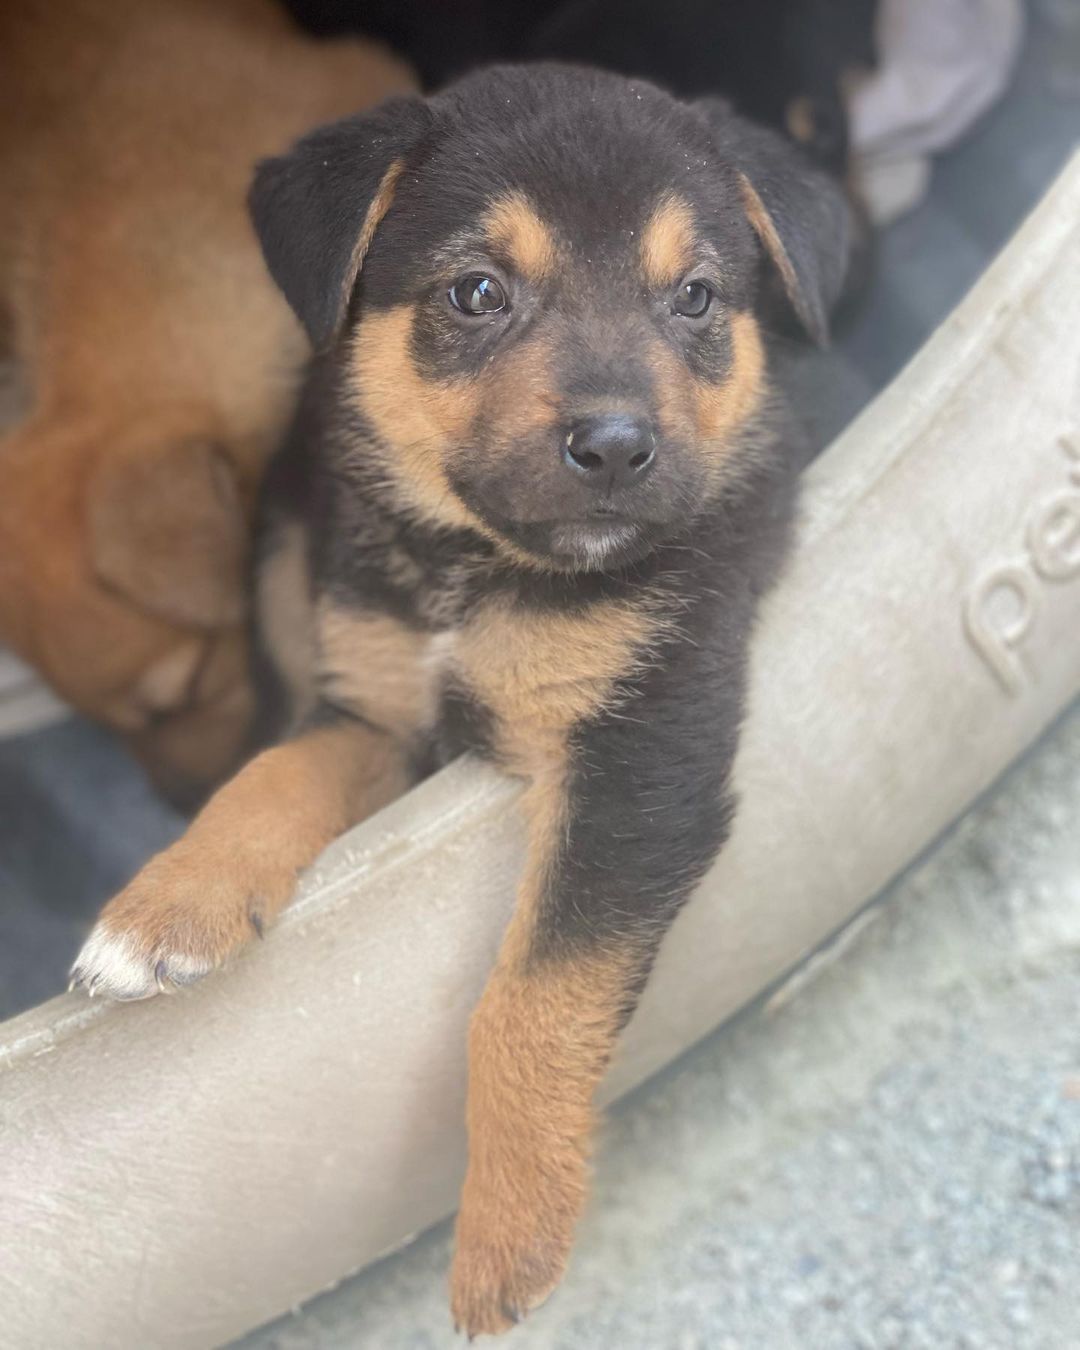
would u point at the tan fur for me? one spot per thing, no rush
(419, 421)
(286, 614)
(143, 319)
(539, 1042)
(723, 409)
(402, 569)
(167, 683)
(540, 673)
(379, 668)
(711, 415)
(206, 738)
(799, 119)
(166, 530)
(513, 227)
(542, 1034)
(237, 864)
(420, 424)
(766, 231)
(380, 204)
(667, 243)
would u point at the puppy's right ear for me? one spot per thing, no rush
(316, 208)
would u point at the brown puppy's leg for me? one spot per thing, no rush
(236, 867)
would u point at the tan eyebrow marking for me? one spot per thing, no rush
(667, 244)
(513, 226)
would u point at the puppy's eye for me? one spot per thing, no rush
(477, 294)
(692, 300)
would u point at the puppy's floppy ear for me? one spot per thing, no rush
(800, 214)
(316, 208)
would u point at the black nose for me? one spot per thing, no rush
(612, 450)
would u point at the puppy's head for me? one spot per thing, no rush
(541, 288)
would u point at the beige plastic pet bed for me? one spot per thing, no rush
(174, 1173)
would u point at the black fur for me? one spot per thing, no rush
(650, 796)
(761, 54)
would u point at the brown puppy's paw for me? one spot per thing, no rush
(114, 964)
(506, 1264)
(178, 920)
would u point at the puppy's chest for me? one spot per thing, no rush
(505, 678)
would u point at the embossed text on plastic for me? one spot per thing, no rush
(1005, 602)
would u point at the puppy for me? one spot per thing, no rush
(155, 354)
(536, 486)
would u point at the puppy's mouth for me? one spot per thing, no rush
(561, 530)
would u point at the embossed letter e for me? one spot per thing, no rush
(1003, 607)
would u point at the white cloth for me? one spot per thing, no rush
(941, 65)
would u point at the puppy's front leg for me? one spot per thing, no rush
(616, 845)
(237, 865)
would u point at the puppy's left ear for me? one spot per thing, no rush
(800, 214)
(316, 208)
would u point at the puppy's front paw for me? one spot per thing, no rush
(510, 1255)
(118, 966)
(180, 918)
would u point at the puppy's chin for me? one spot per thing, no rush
(595, 545)
(582, 546)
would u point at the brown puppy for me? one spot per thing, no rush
(157, 360)
(539, 478)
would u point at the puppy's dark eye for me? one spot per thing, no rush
(692, 300)
(477, 294)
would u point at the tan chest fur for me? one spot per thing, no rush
(538, 674)
(371, 663)
(541, 673)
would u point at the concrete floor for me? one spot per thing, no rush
(887, 1155)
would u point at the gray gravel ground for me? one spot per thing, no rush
(886, 1155)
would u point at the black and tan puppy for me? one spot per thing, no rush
(536, 486)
